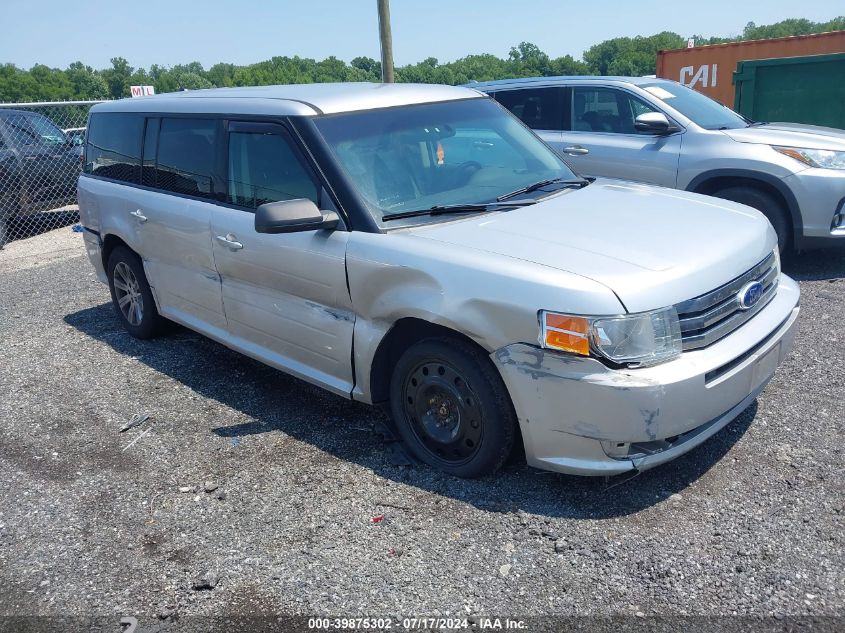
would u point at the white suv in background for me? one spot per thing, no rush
(660, 132)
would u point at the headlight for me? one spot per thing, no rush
(642, 339)
(824, 158)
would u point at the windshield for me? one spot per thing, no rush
(421, 156)
(701, 110)
(31, 129)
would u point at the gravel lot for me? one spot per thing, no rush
(269, 486)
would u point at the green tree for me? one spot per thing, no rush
(616, 56)
(221, 75)
(117, 77)
(791, 27)
(86, 83)
(527, 60)
(370, 67)
(630, 55)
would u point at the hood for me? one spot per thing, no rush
(653, 247)
(791, 135)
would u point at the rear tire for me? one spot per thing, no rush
(451, 407)
(766, 204)
(131, 295)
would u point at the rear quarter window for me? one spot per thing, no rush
(186, 156)
(113, 148)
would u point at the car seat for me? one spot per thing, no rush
(579, 124)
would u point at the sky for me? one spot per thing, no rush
(58, 32)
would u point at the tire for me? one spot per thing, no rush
(8, 211)
(767, 205)
(138, 313)
(472, 432)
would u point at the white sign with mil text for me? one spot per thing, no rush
(142, 91)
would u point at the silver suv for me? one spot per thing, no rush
(418, 246)
(658, 131)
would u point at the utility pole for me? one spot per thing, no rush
(386, 41)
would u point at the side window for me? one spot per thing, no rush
(538, 108)
(638, 107)
(185, 157)
(113, 148)
(263, 167)
(606, 110)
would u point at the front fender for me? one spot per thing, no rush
(491, 299)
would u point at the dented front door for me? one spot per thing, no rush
(285, 297)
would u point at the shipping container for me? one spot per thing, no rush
(709, 69)
(809, 89)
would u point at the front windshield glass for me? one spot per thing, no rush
(31, 129)
(416, 157)
(701, 110)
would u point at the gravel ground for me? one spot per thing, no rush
(289, 500)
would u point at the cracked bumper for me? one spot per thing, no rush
(579, 416)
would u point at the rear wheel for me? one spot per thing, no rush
(451, 407)
(767, 204)
(8, 210)
(131, 295)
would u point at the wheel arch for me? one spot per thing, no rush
(709, 182)
(402, 334)
(111, 242)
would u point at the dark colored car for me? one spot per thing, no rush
(39, 166)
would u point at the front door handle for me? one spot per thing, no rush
(140, 215)
(229, 241)
(576, 150)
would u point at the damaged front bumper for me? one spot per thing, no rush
(579, 416)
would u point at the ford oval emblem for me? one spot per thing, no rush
(750, 295)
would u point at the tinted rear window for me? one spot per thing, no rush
(538, 108)
(185, 160)
(113, 149)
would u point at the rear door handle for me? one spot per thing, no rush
(229, 241)
(576, 150)
(140, 215)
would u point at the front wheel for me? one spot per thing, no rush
(451, 407)
(131, 295)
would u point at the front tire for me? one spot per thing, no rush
(131, 295)
(765, 204)
(451, 408)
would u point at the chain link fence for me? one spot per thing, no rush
(40, 160)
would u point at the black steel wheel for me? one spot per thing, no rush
(451, 407)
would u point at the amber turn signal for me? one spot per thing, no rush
(566, 333)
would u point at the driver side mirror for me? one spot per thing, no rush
(293, 216)
(654, 123)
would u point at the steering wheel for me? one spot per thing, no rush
(469, 168)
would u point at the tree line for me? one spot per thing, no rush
(618, 56)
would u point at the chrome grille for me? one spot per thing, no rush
(711, 316)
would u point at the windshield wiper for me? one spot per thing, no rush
(583, 182)
(443, 209)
